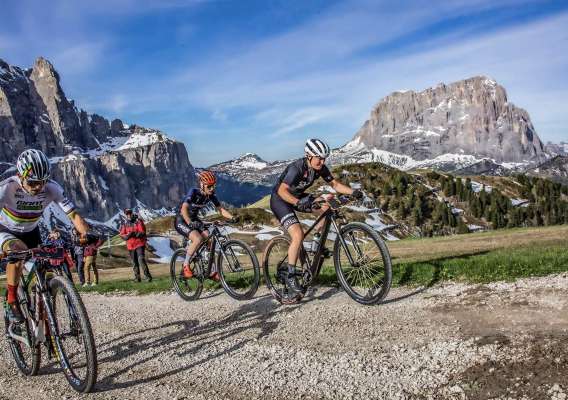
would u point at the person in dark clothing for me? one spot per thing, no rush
(78, 251)
(133, 231)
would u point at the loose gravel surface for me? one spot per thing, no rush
(454, 341)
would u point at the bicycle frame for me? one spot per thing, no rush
(210, 244)
(37, 280)
(330, 216)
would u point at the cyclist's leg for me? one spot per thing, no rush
(196, 239)
(8, 243)
(287, 216)
(191, 234)
(297, 235)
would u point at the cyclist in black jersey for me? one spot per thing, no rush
(288, 196)
(188, 223)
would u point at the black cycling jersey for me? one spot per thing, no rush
(196, 201)
(299, 176)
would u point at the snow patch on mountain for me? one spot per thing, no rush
(356, 152)
(139, 138)
(250, 168)
(162, 249)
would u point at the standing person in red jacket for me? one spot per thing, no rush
(133, 231)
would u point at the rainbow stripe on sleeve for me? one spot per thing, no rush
(21, 217)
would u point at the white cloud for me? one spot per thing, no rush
(300, 119)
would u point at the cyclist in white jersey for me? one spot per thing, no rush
(23, 198)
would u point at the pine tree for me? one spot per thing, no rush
(417, 216)
(462, 227)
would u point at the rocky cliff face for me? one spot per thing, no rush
(469, 117)
(557, 149)
(104, 166)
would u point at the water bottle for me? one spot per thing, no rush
(315, 242)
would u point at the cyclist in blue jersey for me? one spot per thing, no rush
(288, 196)
(188, 223)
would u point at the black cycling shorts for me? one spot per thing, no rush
(284, 211)
(183, 228)
(31, 239)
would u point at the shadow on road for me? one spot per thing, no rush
(138, 349)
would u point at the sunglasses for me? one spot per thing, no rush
(35, 184)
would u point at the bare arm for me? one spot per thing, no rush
(340, 187)
(284, 193)
(225, 213)
(79, 223)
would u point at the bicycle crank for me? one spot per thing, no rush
(15, 336)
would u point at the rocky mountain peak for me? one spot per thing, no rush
(469, 117)
(103, 166)
(43, 69)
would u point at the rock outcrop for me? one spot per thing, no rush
(469, 117)
(104, 166)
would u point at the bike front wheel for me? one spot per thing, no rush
(274, 264)
(20, 337)
(362, 263)
(188, 289)
(238, 269)
(74, 340)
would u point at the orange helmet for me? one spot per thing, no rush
(207, 178)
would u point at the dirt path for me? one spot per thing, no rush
(448, 342)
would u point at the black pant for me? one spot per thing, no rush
(79, 264)
(139, 259)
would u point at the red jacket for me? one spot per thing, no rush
(133, 227)
(91, 249)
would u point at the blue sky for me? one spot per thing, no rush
(229, 77)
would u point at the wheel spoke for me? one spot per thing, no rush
(365, 280)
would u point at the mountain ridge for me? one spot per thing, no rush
(104, 166)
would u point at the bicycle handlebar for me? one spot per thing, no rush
(42, 252)
(334, 202)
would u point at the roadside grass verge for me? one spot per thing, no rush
(489, 266)
(474, 258)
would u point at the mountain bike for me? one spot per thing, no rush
(55, 317)
(236, 263)
(360, 256)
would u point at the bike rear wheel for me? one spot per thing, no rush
(366, 275)
(188, 289)
(27, 356)
(238, 269)
(275, 257)
(74, 340)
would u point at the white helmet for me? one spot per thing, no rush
(315, 147)
(33, 164)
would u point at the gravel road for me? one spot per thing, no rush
(454, 341)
